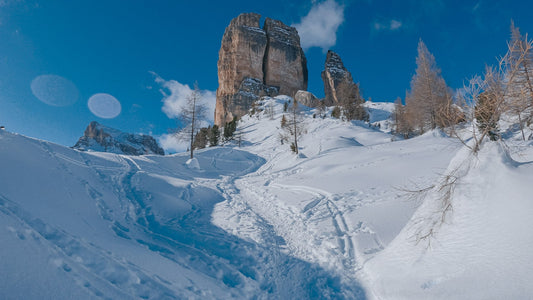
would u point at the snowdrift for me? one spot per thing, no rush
(87, 225)
(258, 222)
(481, 251)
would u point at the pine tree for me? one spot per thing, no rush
(213, 135)
(200, 139)
(230, 128)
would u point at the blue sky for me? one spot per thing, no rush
(56, 55)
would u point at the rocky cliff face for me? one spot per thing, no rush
(255, 62)
(285, 64)
(306, 98)
(104, 139)
(338, 82)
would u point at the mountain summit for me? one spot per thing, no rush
(255, 62)
(98, 137)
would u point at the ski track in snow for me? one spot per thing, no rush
(90, 266)
(323, 201)
(243, 225)
(267, 264)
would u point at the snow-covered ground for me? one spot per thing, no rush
(260, 222)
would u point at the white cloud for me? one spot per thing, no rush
(392, 25)
(175, 96)
(319, 27)
(171, 144)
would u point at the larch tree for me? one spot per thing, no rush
(351, 102)
(293, 126)
(517, 66)
(429, 94)
(192, 114)
(401, 124)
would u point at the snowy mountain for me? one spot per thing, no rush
(101, 138)
(334, 222)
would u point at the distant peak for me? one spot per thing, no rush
(101, 138)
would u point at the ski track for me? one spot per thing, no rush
(323, 201)
(93, 268)
(279, 240)
(272, 261)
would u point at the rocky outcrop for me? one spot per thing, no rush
(338, 82)
(104, 139)
(306, 98)
(285, 64)
(340, 90)
(255, 62)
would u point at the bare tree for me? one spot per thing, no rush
(351, 102)
(269, 110)
(401, 121)
(192, 114)
(504, 89)
(293, 126)
(429, 93)
(517, 66)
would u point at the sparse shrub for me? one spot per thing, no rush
(336, 112)
(283, 121)
(293, 148)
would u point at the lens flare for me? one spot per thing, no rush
(104, 106)
(54, 90)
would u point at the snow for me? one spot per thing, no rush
(482, 251)
(333, 222)
(193, 164)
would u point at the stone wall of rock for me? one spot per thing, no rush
(306, 98)
(337, 80)
(285, 64)
(98, 137)
(255, 62)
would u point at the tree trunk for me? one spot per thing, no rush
(192, 125)
(295, 130)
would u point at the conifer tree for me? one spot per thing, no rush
(518, 74)
(293, 126)
(351, 102)
(192, 113)
(401, 124)
(200, 139)
(487, 115)
(213, 135)
(429, 94)
(230, 128)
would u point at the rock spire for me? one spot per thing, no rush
(255, 62)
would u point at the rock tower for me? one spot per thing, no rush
(255, 62)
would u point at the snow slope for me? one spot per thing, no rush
(260, 222)
(99, 225)
(105, 225)
(482, 251)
